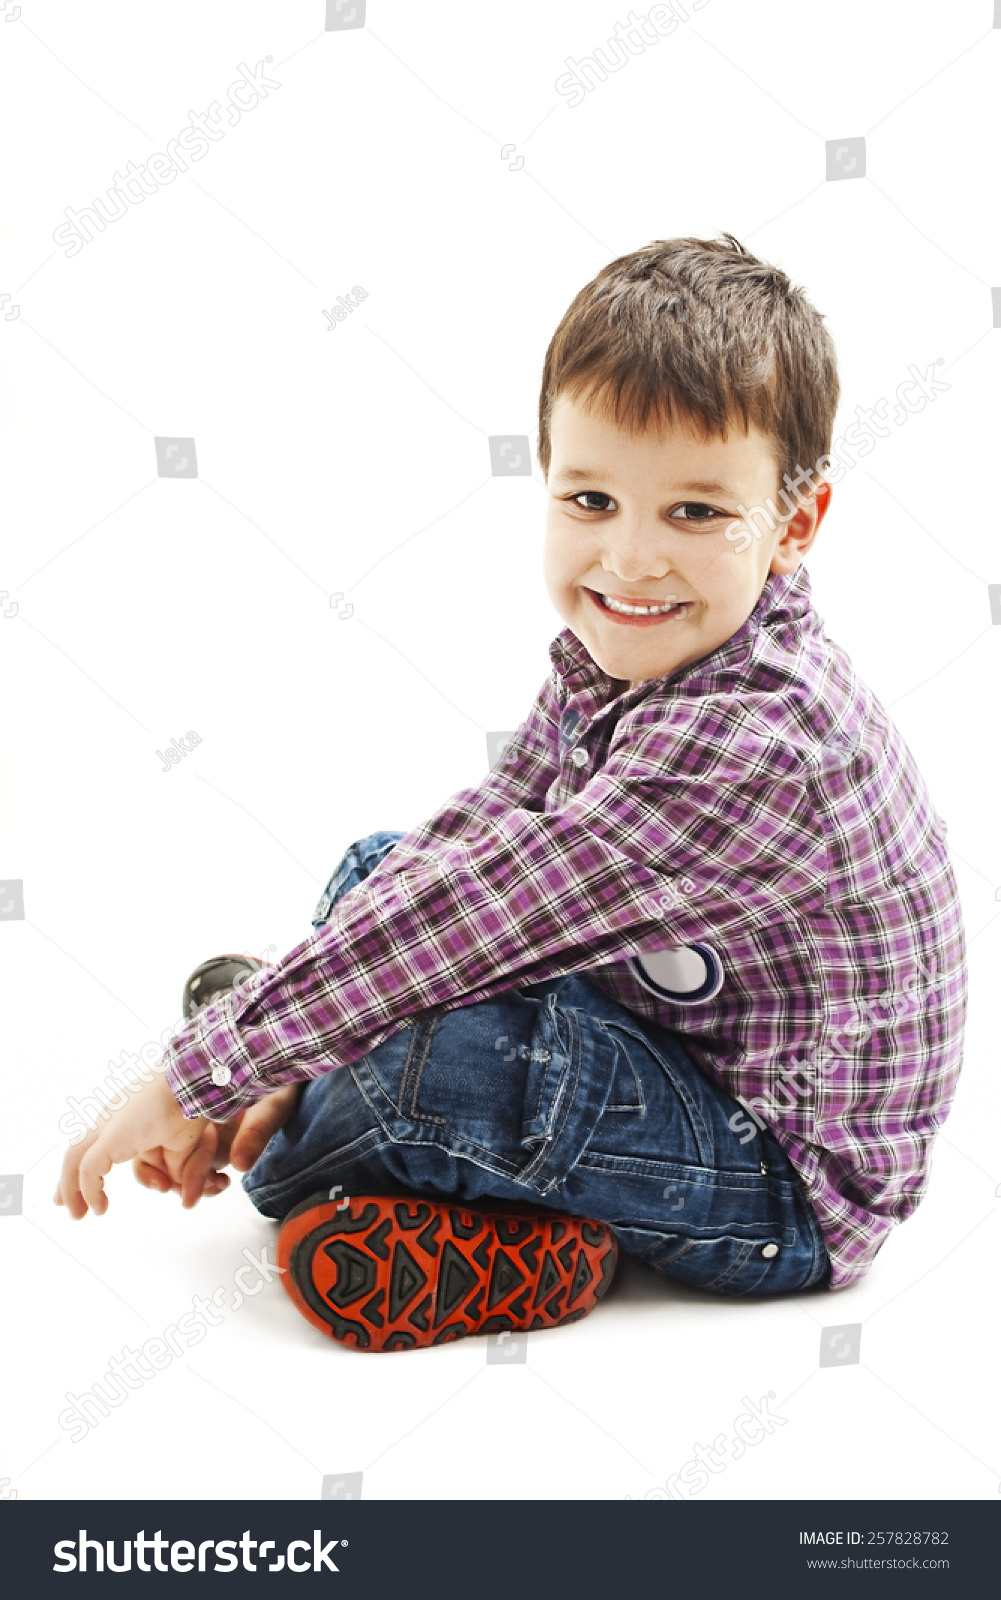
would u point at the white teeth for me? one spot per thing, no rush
(641, 611)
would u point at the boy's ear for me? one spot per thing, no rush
(801, 530)
(822, 495)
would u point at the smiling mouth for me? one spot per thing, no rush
(638, 611)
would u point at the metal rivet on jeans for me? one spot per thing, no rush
(769, 1251)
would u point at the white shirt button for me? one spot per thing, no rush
(221, 1075)
(769, 1251)
(579, 758)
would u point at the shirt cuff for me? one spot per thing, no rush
(207, 1066)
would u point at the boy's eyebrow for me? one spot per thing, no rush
(694, 486)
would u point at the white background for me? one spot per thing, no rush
(356, 461)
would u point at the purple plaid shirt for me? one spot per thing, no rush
(742, 851)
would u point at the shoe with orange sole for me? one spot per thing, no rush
(398, 1273)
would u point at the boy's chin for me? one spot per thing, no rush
(619, 668)
(616, 663)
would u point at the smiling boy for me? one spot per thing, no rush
(649, 484)
(685, 974)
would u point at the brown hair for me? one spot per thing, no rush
(701, 330)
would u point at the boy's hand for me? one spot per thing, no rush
(237, 1142)
(152, 1125)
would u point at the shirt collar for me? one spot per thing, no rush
(786, 597)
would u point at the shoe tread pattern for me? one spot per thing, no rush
(384, 1274)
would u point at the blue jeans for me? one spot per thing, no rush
(552, 1094)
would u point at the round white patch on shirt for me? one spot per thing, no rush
(685, 974)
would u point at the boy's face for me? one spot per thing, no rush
(641, 517)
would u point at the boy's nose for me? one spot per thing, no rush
(637, 556)
(634, 576)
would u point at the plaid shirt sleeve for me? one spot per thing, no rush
(489, 894)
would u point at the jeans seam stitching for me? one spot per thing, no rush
(648, 1167)
(737, 1266)
(701, 1130)
(416, 1113)
(572, 1066)
(420, 1040)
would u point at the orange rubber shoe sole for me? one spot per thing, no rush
(391, 1273)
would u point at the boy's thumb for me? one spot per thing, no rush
(260, 1121)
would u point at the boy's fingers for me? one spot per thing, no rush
(259, 1122)
(247, 1148)
(68, 1191)
(198, 1166)
(151, 1177)
(94, 1168)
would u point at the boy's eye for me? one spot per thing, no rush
(689, 511)
(696, 512)
(590, 494)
